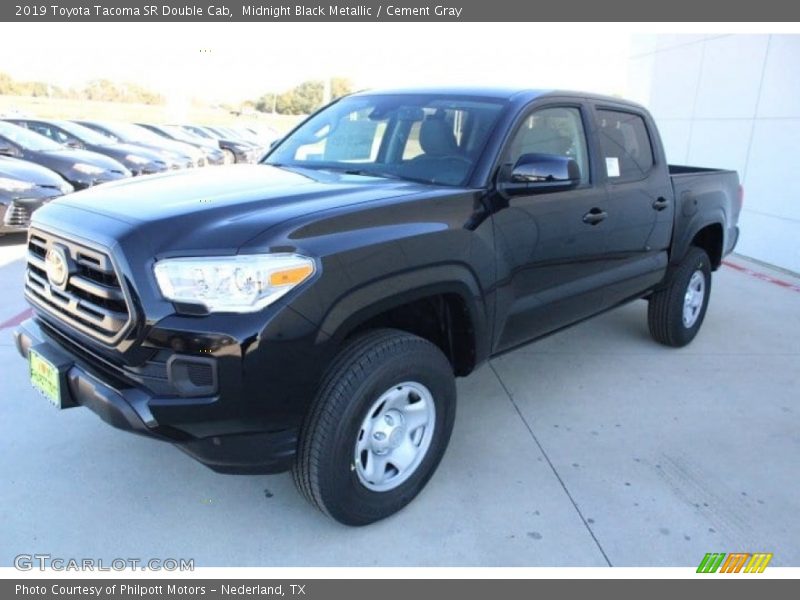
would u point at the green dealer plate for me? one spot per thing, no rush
(45, 378)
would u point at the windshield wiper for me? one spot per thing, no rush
(345, 170)
(367, 173)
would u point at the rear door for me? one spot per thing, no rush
(640, 200)
(550, 246)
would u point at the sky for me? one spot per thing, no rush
(236, 61)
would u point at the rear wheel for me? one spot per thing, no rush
(378, 427)
(676, 312)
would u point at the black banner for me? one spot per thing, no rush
(397, 10)
(705, 586)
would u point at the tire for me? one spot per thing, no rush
(668, 323)
(376, 371)
(229, 157)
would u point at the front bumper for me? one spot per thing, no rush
(150, 169)
(127, 407)
(215, 158)
(81, 181)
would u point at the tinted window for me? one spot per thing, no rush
(27, 139)
(429, 138)
(556, 131)
(47, 131)
(130, 132)
(625, 145)
(84, 134)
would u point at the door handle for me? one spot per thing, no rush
(660, 203)
(594, 216)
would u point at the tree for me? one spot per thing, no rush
(303, 98)
(340, 86)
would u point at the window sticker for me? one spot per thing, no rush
(612, 166)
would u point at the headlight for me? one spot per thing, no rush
(242, 283)
(87, 169)
(15, 185)
(135, 159)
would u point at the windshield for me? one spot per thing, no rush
(427, 138)
(127, 132)
(199, 132)
(27, 139)
(179, 134)
(84, 134)
(216, 133)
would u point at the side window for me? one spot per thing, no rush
(413, 148)
(625, 144)
(42, 130)
(552, 131)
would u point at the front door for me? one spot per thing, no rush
(550, 246)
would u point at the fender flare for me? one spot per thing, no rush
(692, 227)
(376, 297)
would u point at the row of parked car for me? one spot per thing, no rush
(41, 159)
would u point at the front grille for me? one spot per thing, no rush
(17, 215)
(91, 300)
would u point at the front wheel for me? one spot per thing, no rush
(676, 312)
(378, 427)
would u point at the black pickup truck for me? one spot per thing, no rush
(312, 311)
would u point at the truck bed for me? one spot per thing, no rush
(703, 193)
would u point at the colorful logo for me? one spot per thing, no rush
(735, 562)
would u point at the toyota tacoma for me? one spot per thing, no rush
(313, 311)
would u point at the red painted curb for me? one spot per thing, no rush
(16, 319)
(763, 276)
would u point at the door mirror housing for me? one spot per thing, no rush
(538, 173)
(8, 150)
(75, 144)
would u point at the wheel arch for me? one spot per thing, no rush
(443, 304)
(707, 234)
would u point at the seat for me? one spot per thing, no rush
(436, 138)
(441, 160)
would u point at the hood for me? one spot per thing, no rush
(23, 170)
(168, 145)
(69, 156)
(124, 148)
(202, 211)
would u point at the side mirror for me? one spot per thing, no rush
(274, 143)
(7, 150)
(75, 144)
(539, 173)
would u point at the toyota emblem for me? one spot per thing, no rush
(56, 266)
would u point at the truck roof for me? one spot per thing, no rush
(497, 93)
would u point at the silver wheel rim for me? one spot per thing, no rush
(693, 298)
(395, 436)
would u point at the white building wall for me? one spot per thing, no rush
(733, 102)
